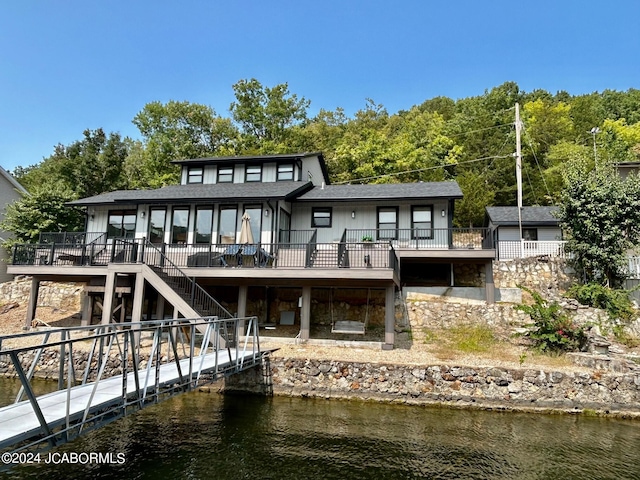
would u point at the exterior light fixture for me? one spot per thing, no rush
(444, 212)
(353, 214)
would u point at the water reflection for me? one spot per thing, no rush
(201, 435)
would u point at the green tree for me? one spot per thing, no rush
(600, 214)
(265, 115)
(178, 131)
(44, 209)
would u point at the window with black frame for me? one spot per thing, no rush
(321, 217)
(225, 174)
(121, 224)
(157, 220)
(195, 175)
(422, 222)
(180, 226)
(387, 223)
(285, 172)
(204, 224)
(253, 173)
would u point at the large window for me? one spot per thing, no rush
(204, 223)
(225, 174)
(157, 220)
(227, 224)
(255, 220)
(422, 222)
(285, 171)
(180, 225)
(321, 217)
(253, 173)
(387, 223)
(122, 224)
(194, 175)
(530, 234)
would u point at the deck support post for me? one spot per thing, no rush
(138, 298)
(33, 302)
(243, 293)
(305, 314)
(389, 318)
(109, 290)
(87, 308)
(160, 308)
(490, 287)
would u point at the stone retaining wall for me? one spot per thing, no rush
(51, 294)
(480, 387)
(538, 273)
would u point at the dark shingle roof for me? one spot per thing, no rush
(201, 192)
(387, 191)
(531, 216)
(250, 158)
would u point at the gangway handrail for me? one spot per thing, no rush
(85, 411)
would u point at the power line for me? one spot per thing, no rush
(423, 169)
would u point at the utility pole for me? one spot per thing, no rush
(519, 170)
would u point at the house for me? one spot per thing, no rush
(265, 235)
(541, 233)
(10, 191)
(625, 169)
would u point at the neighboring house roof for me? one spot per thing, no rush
(531, 216)
(11, 180)
(386, 191)
(204, 193)
(258, 159)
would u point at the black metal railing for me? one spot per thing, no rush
(185, 286)
(71, 238)
(295, 236)
(424, 238)
(311, 248)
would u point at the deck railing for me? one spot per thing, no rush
(527, 248)
(424, 238)
(310, 254)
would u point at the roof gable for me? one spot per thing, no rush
(12, 181)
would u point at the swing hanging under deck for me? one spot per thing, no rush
(349, 327)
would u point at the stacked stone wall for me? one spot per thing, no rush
(51, 294)
(482, 387)
(538, 273)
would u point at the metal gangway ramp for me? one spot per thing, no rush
(128, 366)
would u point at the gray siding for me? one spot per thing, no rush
(8, 194)
(545, 234)
(365, 217)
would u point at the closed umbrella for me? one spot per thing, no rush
(246, 235)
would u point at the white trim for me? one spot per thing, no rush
(12, 180)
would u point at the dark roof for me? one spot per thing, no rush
(386, 191)
(531, 216)
(250, 158)
(202, 193)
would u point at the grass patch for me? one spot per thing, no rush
(429, 336)
(472, 338)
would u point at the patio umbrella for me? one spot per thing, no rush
(246, 236)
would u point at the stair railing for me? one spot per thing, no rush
(187, 287)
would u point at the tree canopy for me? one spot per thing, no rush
(470, 140)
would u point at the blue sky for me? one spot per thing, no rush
(66, 66)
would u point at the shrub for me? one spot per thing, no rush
(552, 331)
(617, 303)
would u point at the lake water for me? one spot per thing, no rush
(207, 436)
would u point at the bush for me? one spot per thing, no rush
(552, 331)
(617, 303)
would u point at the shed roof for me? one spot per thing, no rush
(203, 193)
(531, 216)
(387, 191)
